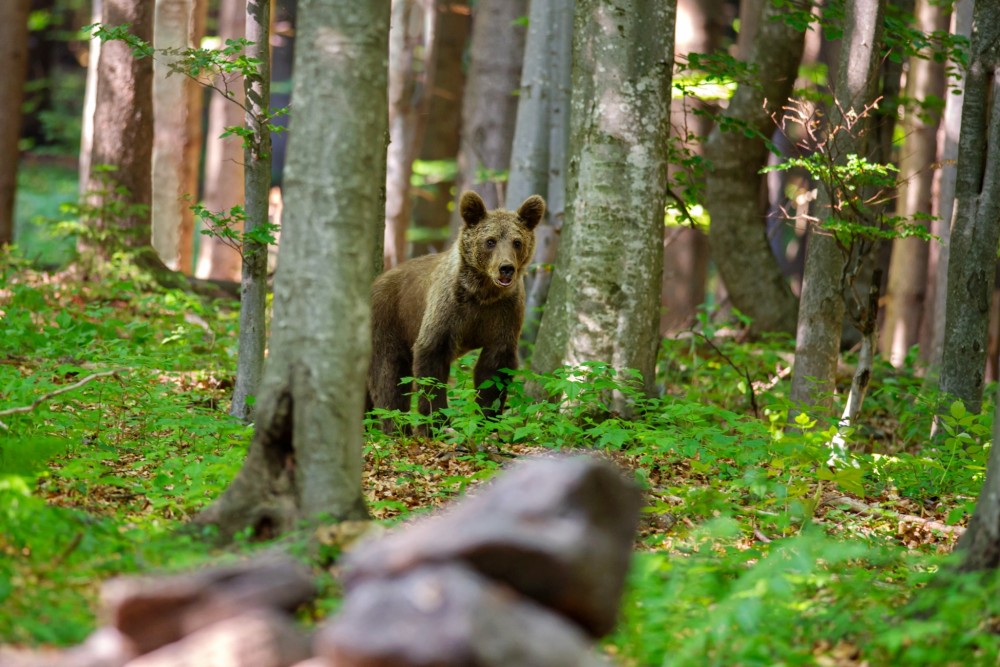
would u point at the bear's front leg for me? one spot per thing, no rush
(432, 360)
(494, 364)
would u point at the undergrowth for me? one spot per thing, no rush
(748, 552)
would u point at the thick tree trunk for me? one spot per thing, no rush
(224, 180)
(14, 55)
(735, 191)
(606, 290)
(489, 109)
(442, 139)
(821, 310)
(932, 335)
(177, 106)
(306, 455)
(89, 101)
(257, 185)
(412, 43)
(123, 132)
(975, 231)
(905, 298)
(538, 157)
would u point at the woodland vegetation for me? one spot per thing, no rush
(766, 287)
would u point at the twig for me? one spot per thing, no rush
(752, 395)
(859, 507)
(52, 394)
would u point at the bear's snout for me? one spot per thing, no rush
(506, 274)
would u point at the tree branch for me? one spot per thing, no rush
(52, 394)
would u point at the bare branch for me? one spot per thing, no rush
(52, 394)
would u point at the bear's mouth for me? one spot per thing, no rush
(503, 281)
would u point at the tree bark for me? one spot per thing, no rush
(905, 297)
(489, 109)
(975, 231)
(980, 544)
(177, 106)
(541, 136)
(606, 289)
(932, 337)
(686, 250)
(123, 133)
(821, 311)
(306, 455)
(14, 54)
(257, 186)
(442, 139)
(412, 43)
(735, 191)
(89, 101)
(224, 180)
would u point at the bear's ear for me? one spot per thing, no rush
(472, 207)
(531, 211)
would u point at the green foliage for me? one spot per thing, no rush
(229, 227)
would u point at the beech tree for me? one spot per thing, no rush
(224, 180)
(604, 302)
(412, 45)
(905, 296)
(541, 136)
(177, 107)
(14, 53)
(489, 107)
(305, 459)
(123, 134)
(975, 230)
(821, 308)
(736, 192)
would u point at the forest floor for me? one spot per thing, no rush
(752, 550)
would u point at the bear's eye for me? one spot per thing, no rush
(517, 244)
(491, 243)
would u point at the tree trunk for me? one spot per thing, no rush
(735, 191)
(489, 109)
(306, 455)
(538, 156)
(123, 134)
(89, 101)
(975, 230)
(932, 338)
(442, 139)
(685, 250)
(14, 54)
(821, 310)
(224, 179)
(412, 43)
(905, 298)
(177, 105)
(604, 303)
(257, 185)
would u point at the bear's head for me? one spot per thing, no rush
(499, 244)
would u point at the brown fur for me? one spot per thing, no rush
(430, 310)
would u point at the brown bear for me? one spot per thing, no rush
(432, 309)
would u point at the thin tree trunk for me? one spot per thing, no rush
(177, 105)
(932, 339)
(257, 185)
(980, 543)
(538, 156)
(89, 101)
(975, 231)
(123, 133)
(735, 191)
(306, 456)
(489, 109)
(821, 311)
(224, 181)
(442, 139)
(413, 32)
(606, 290)
(905, 298)
(14, 55)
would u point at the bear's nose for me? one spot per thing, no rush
(507, 270)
